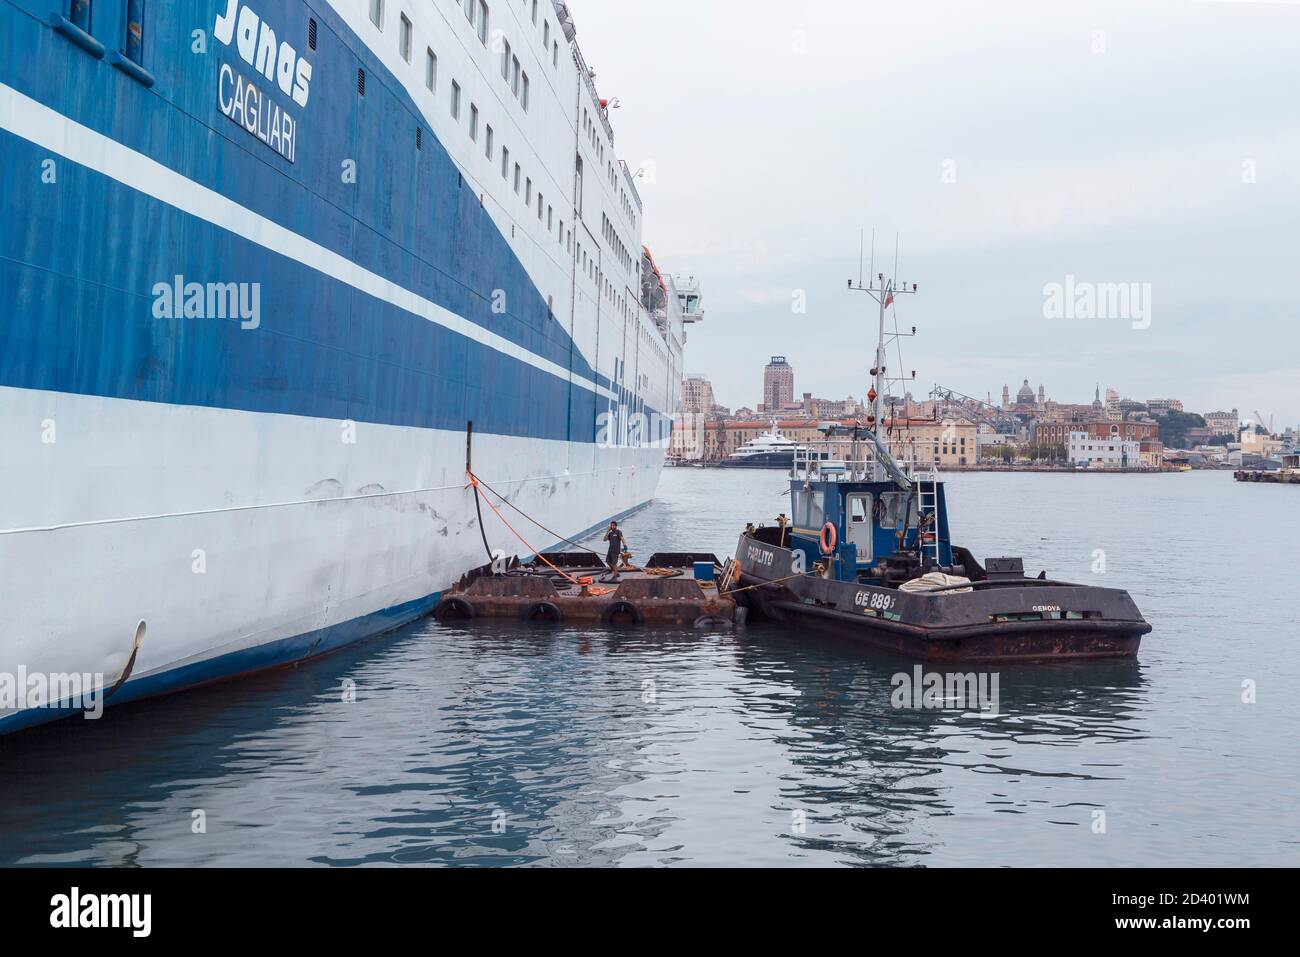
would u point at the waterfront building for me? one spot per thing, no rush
(1223, 423)
(1151, 453)
(1146, 435)
(1090, 451)
(1112, 411)
(687, 443)
(1258, 443)
(948, 443)
(1058, 433)
(778, 384)
(1164, 406)
(831, 408)
(989, 443)
(697, 394)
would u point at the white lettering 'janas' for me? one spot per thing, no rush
(75, 910)
(256, 42)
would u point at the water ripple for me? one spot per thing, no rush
(507, 745)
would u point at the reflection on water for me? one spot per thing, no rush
(494, 744)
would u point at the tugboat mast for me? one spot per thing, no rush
(883, 291)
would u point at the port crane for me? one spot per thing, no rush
(1267, 423)
(972, 408)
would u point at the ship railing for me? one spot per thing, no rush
(630, 177)
(861, 462)
(585, 72)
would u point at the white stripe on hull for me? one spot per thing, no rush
(33, 121)
(226, 530)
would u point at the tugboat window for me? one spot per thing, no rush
(891, 516)
(815, 513)
(858, 532)
(857, 509)
(800, 505)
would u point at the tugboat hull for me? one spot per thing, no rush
(1009, 620)
(982, 643)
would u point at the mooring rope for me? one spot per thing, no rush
(581, 583)
(535, 521)
(775, 581)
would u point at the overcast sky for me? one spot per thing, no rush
(1011, 143)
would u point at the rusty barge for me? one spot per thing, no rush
(673, 590)
(1288, 474)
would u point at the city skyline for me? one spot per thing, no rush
(1156, 156)
(697, 385)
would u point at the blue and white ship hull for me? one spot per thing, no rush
(239, 354)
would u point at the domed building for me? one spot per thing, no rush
(1026, 395)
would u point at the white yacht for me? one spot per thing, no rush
(771, 450)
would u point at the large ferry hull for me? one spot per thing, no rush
(190, 496)
(225, 591)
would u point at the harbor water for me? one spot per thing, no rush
(493, 743)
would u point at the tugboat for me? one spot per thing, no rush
(868, 555)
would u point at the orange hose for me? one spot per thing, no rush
(580, 582)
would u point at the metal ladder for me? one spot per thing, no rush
(927, 484)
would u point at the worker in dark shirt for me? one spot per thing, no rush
(615, 538)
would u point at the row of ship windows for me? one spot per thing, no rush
(477, 12)
(611, 236)
(597, 142)
(611, 170)
(622, 194)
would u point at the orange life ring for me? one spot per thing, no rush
(830, 538)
